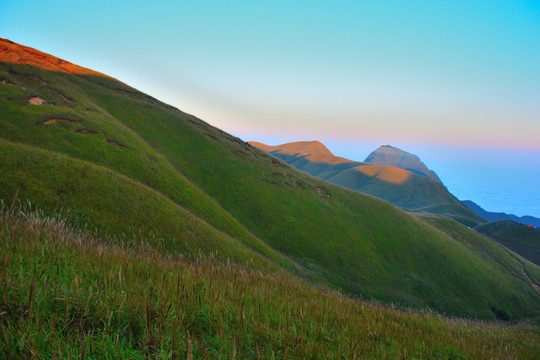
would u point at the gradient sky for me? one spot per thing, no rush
(456, 82)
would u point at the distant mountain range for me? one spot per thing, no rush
(388, 173)
(497, 216)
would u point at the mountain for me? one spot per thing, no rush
(522, 239)
(403, 188)
(138, 173)
(497, 216)
(392, 156)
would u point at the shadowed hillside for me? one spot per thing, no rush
(519, 238)
(123, 164)
(401, 187)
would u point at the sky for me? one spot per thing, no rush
(457, 83)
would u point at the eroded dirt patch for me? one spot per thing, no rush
(194, 122)
(270, 181)
(323, 191)
(235, 141)
(7, 82)
(240, 152)
(85, 131)
(114, 142)
(36, 100)
(57, 120)
(210, 136)
(65, 98)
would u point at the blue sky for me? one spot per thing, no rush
(458, 82)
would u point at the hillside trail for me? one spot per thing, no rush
(533, 284)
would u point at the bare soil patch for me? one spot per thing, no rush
(6, 82)
(210, 136)
(114, 142)
(65, 98)
(323, 191)
(36, 100)
(57, 120)
(85, 131)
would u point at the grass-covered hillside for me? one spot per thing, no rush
(522, 239)
(116, 161)
(67, 294)
(408, 183)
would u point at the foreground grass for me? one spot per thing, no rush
(68, 294)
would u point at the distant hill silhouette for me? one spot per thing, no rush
(517, 237)
(497, 216)
(407, 189)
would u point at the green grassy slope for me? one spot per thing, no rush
(489, 249)
(94, 135)
(88, 191)
(77, 298)
(517, 237)
(310, 220)
(401, 187)
(258, 207)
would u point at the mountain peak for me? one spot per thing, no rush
(313, 150)
(393, 156)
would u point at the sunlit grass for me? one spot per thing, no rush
(69, 294)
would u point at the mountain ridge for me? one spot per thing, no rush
(25, 55)
(500, 216)
(401, 187)
(313, 150)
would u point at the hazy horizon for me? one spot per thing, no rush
(457, 84)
